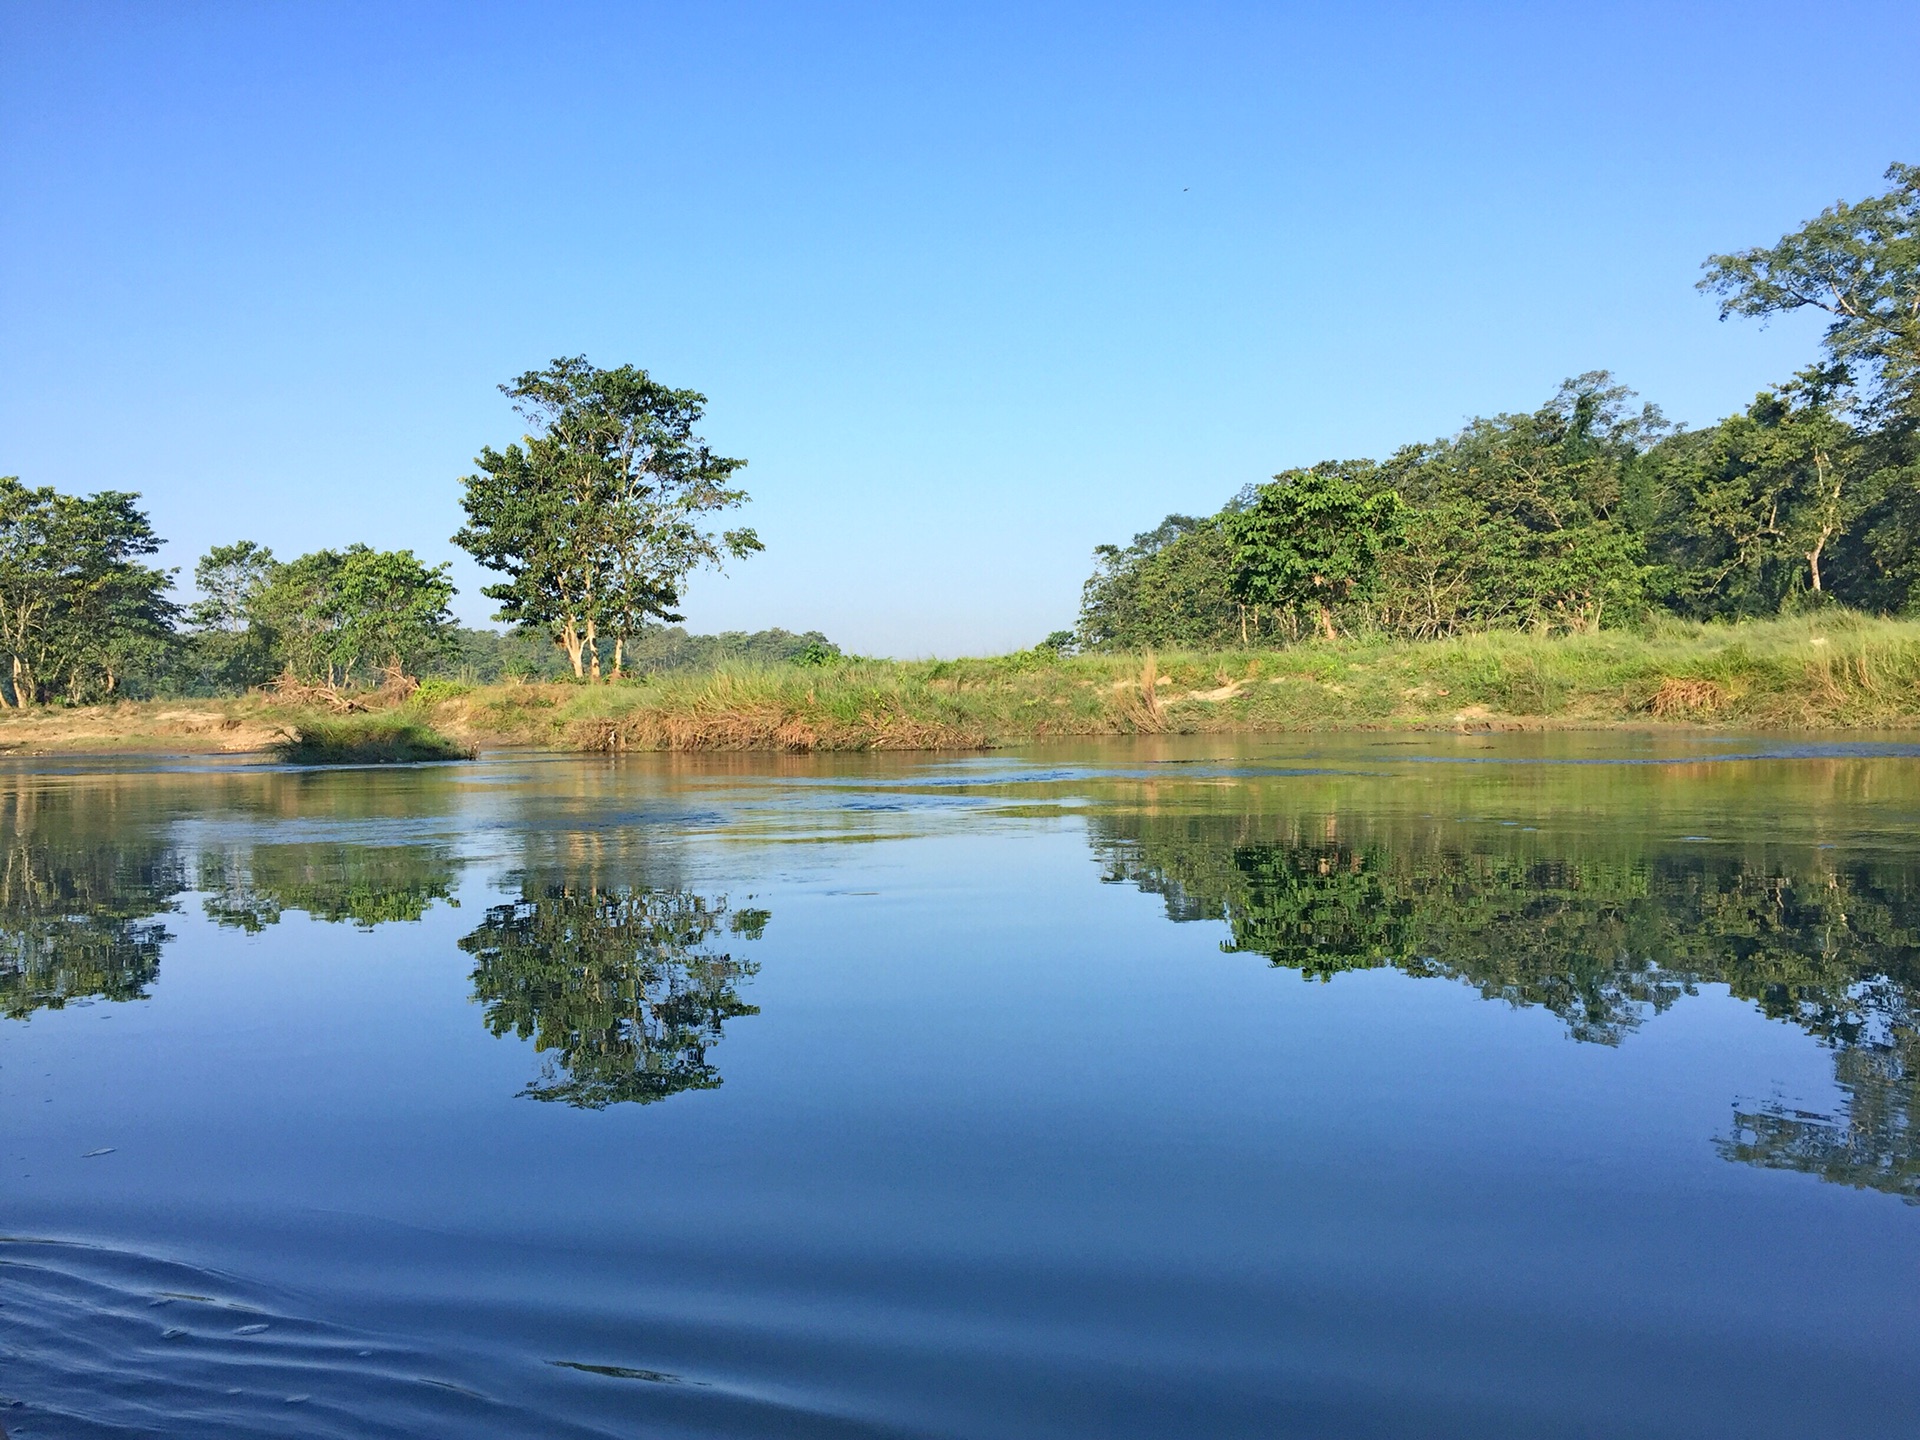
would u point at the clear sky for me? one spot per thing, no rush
(973, 288)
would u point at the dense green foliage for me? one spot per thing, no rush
(1590, 511)
(331, 619)
(598, 518)
(1311, 540)
(78, 611)
(334, 612)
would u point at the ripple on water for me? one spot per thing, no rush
(96, 1342)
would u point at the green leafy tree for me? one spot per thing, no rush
(230, 579)
(599, 517)
(1168, 589)
(396, 609)
(334, 611)
(1527, 519)
(1535, 519)
(231, 647)
(1310, 540)
(78, 611)
(1860, 265)
(1750, 512)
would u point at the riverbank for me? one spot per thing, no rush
(1833, 672)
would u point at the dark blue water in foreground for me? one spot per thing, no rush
(1197, 1088)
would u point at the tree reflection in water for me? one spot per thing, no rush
(82, 890)
(1605, 940)
(623, 987)
(250, 887)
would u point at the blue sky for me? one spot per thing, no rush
(973, 288)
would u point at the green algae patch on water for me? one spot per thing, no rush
(378, 739)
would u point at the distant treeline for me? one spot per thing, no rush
(84, 619)
(595, 518)
(1592, 510)
(487, 656)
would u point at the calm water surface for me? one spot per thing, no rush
(1460, 1086)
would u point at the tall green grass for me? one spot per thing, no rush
(382, 737)
(1831, 671)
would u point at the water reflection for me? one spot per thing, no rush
(250, 887)
(619, 977)
(82, 891)
(1605, 940)
(623, 988)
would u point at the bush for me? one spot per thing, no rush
(380, 739)
(432, 692)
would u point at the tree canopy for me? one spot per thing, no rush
(1860, 265)
(1310, 539)
(332, 612)
(599, 516)
(78, 609)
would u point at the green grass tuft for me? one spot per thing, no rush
(383, 738)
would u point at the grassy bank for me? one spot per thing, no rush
(1834, 672)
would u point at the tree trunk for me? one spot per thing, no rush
(23, 695)
(1826, 531)
(593, 649)
(1326, 622)
(1243, 627)
(570, 641)
(619, 654)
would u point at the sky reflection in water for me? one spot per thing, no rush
(978, 1097)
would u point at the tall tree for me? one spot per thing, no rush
(77, 608)
(229, 644)
(331, 611)
(1167, 589)
(1525, 519)
(230, 579)
(1860, 265)
(396, 609)
(598, 518)
(1311, 539)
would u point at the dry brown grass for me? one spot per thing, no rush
(767, 727)
(1681, 699)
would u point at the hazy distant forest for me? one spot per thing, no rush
(1586, 513)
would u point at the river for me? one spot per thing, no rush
(1455, 1085)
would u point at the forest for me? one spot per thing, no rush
(1591, 512)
